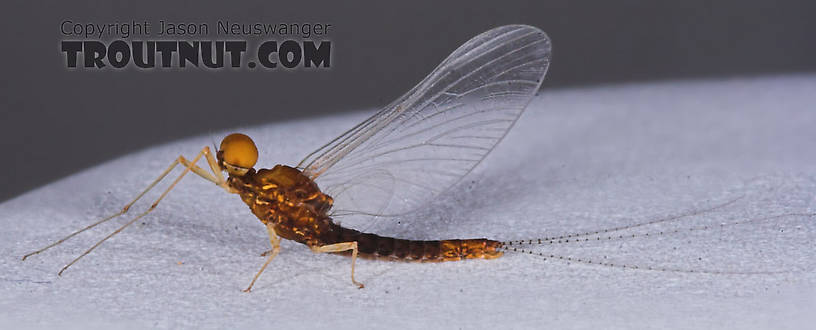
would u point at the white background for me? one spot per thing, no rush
(577, 160)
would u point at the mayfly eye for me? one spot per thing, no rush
(239, 150)
(300, 194)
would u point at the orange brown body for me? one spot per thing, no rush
(298, 210)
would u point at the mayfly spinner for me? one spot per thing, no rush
(390, 164)
(442, 127)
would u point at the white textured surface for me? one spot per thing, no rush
(577, 160)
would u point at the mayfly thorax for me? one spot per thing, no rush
(390, 164)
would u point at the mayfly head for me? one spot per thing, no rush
(237, 154)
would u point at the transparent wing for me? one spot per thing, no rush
(428, 139)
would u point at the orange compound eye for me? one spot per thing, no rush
(238, 150)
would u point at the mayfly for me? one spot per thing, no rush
(400, 158)
(442, 127)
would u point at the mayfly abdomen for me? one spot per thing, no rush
(372, 245)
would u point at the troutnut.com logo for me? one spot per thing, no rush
(162, 44)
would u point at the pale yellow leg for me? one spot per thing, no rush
(189, 166)
(341, 247)
(123, 211)
(201, 172)
(275, 241)
(215, 176)
(197, 170)
(216, 170)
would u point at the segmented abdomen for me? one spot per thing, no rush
(411, 250)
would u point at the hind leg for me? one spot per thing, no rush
(341, 247)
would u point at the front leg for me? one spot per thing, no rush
(189, 166)
(341, 247)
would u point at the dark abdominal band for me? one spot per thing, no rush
(372, 245)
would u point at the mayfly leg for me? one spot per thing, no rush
(275, 241)
(214, 177)
(342, 247)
